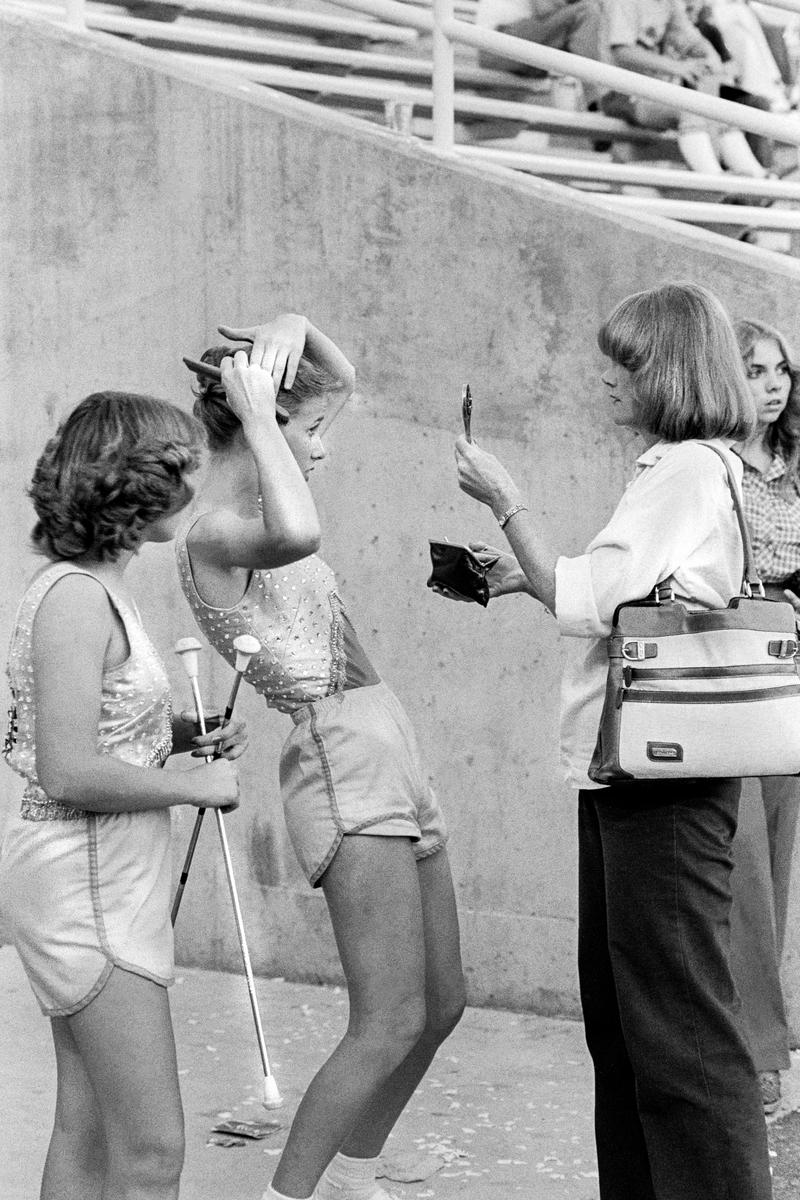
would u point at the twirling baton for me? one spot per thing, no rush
(188, 650)
(245, 646)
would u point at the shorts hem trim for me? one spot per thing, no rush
(400, 818)
(419, 854)
(102, 980)
(314, 879)
(71, 1009)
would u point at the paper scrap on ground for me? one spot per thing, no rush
(412, 1166)
(247, 1129)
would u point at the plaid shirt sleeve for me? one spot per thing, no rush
(773, 515)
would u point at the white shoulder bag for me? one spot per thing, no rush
(698, 695)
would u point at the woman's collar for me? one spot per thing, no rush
(654, 453)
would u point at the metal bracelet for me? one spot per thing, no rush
(505, 517)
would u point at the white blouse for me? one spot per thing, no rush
(676, 522)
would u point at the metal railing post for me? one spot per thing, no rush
(76, 13)
(443, 79)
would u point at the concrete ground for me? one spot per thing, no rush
(505, 1109)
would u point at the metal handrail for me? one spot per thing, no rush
(234, 41)
(447, 31)
(591, 170)
(469, 106)
(788, 5)
(782, 127)
(704, 212)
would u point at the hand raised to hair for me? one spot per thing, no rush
(249, 390)
(277, 345)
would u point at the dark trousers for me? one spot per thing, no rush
(678, 1111)
(762, 861)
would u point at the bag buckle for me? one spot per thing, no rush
(785, 648)
(636, 650)
(664, 587)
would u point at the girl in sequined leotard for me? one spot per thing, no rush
(85, 868)
(363, 821)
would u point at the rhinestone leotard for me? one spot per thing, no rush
(309, 648)
(135, 714)
(84, 892)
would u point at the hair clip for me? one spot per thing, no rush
(212, 372)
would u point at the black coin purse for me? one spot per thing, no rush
(459, 569)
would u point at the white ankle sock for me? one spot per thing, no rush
(697, 150)
(735, 152)
(271, 1194)
(350, 1179)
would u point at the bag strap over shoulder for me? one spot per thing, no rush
(752, 581)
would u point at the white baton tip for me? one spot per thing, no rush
(187, 645)
(245, 643)
(272, 1097)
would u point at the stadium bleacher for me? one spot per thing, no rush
(374, 69)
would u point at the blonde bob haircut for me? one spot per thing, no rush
(688, 378)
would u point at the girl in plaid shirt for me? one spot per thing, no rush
(765, 838)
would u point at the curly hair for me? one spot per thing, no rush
(116, 463)
(678, 343)
(221, 423)
(783, 436)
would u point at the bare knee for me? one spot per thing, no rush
(391, 1032)
(444, 1013)
(77, 1151)
(85, 1147)
(149, 1161)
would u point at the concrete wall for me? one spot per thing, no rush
(139, 209)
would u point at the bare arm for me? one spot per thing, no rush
(288, 528)
(535, 557)
(75, 629)
(278, 345)
(647, 62)
(329, 356)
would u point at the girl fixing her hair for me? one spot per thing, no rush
(363, 821)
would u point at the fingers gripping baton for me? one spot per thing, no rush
(188, 650)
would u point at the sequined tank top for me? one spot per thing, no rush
(309, 648)
(135, 710)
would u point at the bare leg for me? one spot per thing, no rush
(75, 1165)
(444, 997)
(373, 896)
(126, 1045)
(737, 155)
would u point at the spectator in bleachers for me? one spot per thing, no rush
(656, 37)
(755, 68)
(753, 75)
(574, 25)
(782, 31)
